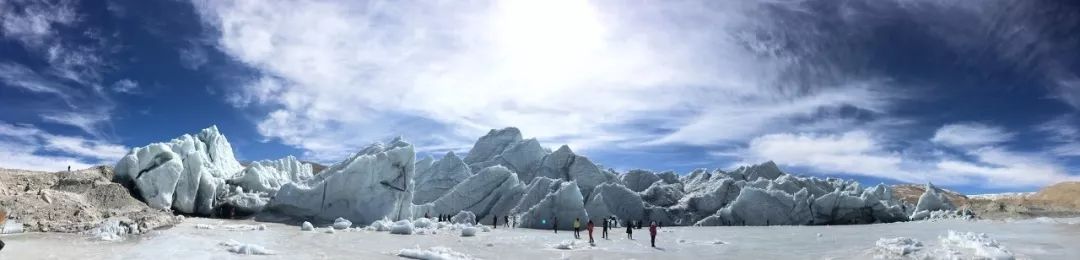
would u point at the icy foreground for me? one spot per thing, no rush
(970, 240)
(502, 175)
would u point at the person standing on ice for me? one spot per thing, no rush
(604, 229)
(577, 228)
(589, 227)
(630, 231)
(555, 225)
(652, 233)
(506, 220)
(494, 221)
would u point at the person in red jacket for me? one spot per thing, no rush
(652, 233)
(589, 227)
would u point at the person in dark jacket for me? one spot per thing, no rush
(652, 233)
(604, 229)
(630, 231)
(506, 220)
(494, 221)
(555, 225)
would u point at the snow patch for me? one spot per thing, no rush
(245, 249)
(897, 247)
(566, 245)
(965, 245)
(434, 253)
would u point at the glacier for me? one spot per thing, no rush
(198, 174)
(503, 174)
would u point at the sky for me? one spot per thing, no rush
(975, 96)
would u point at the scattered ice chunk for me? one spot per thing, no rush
(12, 227)
(307, 226)
(402, 227)
(341, 223)
(434, 253)
(382, 225)
(566, 245)
(897, 247)
(329, 230)
(972, 245)
(423, 223)
(464, 217)
(204, 226)
(469, 231)
(485, 228)
(111, 230)
(245, 249)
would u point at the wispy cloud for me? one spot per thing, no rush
(970, 134)
(126, 86)
(28, 147)
(979, 160)
(69, 81)
(564, 71)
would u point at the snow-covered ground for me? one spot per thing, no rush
(194, 240)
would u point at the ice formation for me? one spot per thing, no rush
(639, 180)
(502, 175)
(198, 174)
(373, 184)
(306, 226)
(435, 180)
(611, 199)
(931, 201)
(561, 207)
(492, 191)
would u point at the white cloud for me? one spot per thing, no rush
(28, 147)
(867, 154)
(126, 86)
(67, 89)
(971, 135)
(1063, 132)
(338, 74)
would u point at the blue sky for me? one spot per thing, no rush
(978, 96)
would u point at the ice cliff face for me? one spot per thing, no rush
(197, 174)
(435, 179)
(374, 183)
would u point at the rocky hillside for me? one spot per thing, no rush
(909, 193)
(73, 201)
(1058, 200)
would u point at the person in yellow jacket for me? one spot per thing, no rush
(577, 228)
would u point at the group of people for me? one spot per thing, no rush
(608, 224)
(508, 221)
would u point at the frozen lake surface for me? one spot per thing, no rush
(1029, 239)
